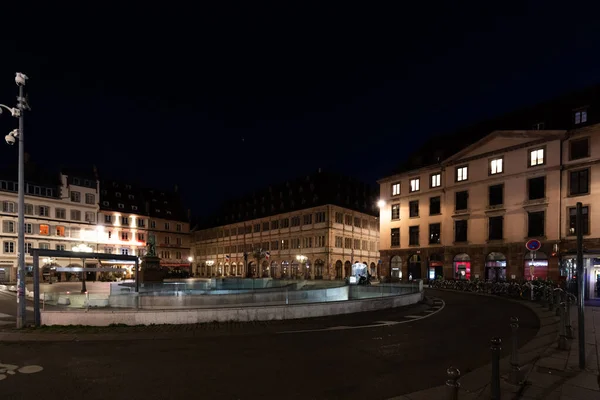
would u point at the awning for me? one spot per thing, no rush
(116, 262)
(172, 265)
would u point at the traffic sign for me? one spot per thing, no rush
(533, 245)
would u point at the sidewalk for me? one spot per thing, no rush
(549, 373)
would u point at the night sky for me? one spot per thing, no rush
(224, 101)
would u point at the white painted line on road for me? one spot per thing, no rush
(412, 316)
(379, 324)
(2, 315)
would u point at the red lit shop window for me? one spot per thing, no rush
(462, 266)
(536, 266)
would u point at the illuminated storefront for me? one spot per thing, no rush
(535, 266)
(462, 266)
(495, 267)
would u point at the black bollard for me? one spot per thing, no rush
(452, 383)
(515, 370)
(558, 299)
(495, 383)
(563, 343)
(569, 328)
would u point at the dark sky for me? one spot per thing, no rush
(224, 101)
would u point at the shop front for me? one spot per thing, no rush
(436, 266)
(591, 265)
(396, 267)
(462, 266)
(414, 267)
(535, 266)
(495, 267)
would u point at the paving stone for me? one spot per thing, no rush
(586, 380)
(580, 393)
(543, 380)
(552, 362)
(533, 392)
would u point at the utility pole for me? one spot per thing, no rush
(580, 285)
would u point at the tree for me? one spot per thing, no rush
(258, 255)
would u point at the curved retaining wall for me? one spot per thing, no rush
(102, 317)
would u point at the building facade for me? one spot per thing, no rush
(470, 215)
(315, 227)
(315, 243)
(60, 213)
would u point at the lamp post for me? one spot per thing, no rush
(190, 259)
(11, 138)
(82, 248)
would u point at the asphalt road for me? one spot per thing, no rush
(251, 361)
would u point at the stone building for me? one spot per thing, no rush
(470, 214)
(315, 227)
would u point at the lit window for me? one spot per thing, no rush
(44, 229)
(536, 157)
(580, 117)
(496, 166)
(60, 231)
(462, 174)
(395, 189)
(415, 185)
(436, 180)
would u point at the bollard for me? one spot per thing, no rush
(557, 299)
(515, 370)
(568, 327)
(495, 383)
(452, 383)
(563, 343)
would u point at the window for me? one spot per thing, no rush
(60, 231)
(535, 223)
(60, 247)
(168, 227)
(256, 228)
(339, 218)
(436, 180)
(108, 219)
(76, 233)
(537, 188)
(461, 201)
(275, 224)
(28, 247)
(76, 197)
(28, 209)
(415, 185)
(536, 157)
(60, 213)
(580, 116)
(125, 252)
(43, 211)
(413, 208)
(105, 203)
(585, 216)
(538, 126)
(76, 215)
(319, 216)
(396, 211)
(496, 166)
(124, 236)
(90, 217)
(8, 227)
(496, 195)
(395, 189)
(90, 198)
(460, 230)
(44, 246)
(348, 220)
(275, 245)
(167, 240)
(178, 227)
(307, 219)
(435, 232)
(395, 237)
(496, 228)
(462, 173)
(357, 222)
(347, 243)
(338, 242)
(308, 243)
(44, 229)
(579, 182)
(413, 235)
(285, 223)
(320, 241)
(9, 247)
(29, 228)
(265, 226)
(9, 207)
(153, 224)
(435, 205)
(121, 205)
(579, 148)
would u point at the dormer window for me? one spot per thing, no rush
(539, 126)
(580, 116)
(118, 194)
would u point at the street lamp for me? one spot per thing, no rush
(82, 248)
(381, 203)
(11, 138)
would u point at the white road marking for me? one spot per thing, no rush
(2, 315)
(379, 324)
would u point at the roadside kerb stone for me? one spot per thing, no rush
(475, 384)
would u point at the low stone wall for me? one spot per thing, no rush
(101, 317)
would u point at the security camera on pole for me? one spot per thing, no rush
(11, 138)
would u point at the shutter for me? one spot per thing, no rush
(36, 229)
(52, 230)
(5, 226)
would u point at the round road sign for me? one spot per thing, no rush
(533, 245)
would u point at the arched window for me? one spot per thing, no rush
(396, 267)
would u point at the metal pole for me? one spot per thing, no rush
(569, 328)
(495, 383)
(563, 344)
(580, 286)
(137, 276)
(36, 289)
(83, 287)
(515, 369)
(452, 383)
(21, 306)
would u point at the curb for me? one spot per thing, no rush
(471, 386)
